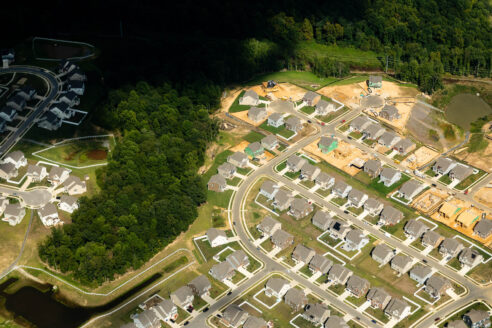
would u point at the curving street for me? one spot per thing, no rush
(237, 209)
(53, 90)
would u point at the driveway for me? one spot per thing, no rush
(34, 198)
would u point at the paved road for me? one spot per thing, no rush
(34, 198)
(53, 85)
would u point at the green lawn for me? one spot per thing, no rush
(355, 210)
(455, 263)
(381, 188)
(243, 171)
(470, 180)
(286, 133)
(198, 303)
(305, 270)
(303, 79)
(355, 134)
(235, 107)
(378, 314)
(238, 276)
(445, 179)
(234, 181)
(281, 166)
(430, 172)
(337, 289)
(307, 183)
(303, 323)
(79, 152)
(356, 301)
(333, 115)
(292, 175)
(253, 136)
(265, 299)
(339, 201)
(369, 142)
(308, 110)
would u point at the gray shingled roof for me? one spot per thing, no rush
(268, 223)
(295, 296)
(310, 96)
(373, 165)
(483, 228)
(388, 173)
(430, 237)
(276, 284)
(421, 271)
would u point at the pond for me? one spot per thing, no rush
(45, 309)
(466, 108)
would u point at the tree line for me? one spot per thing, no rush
(150, 189)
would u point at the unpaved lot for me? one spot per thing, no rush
(421, 156)
(484, 196)
(244, 116)
(482, 159)
(284, 91)
(347, 94)
(229, 99)
(429, 200)
(340, 157)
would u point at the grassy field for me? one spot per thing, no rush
(78, 153)
(308, 110)
(303, 79)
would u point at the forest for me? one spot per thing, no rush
(149, 191)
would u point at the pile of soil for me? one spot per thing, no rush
(97, 154)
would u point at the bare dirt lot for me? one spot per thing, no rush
(340, 157)
(244, 116)
(229, 99)
(347, 94)
(421, 156)
(429, 200)
(481, 159)
(284, 91)
(484, 196)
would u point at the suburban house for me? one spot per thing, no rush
(36, 173)
(356, 198)
(49, 215)
(378, 297)
(17, 158)
(300, 208)
(324, 181)
(282, 239)
(448, 210)
(450, 247)
(222, 271)
(217, 183)
(390, 113)
(460, 172)
(238, 159)
(269, 189)
(302, 254)
(470, 257)
(316, 313)
(397, 309)
(249, 98)
(276, 120)
(74, 186)
(404, 146)
(255, 322)
(70, 98)
(76, 86)
(62, 110)
(322, 220)
(359, 123)
(68, 203)
(295, 163)
(8, 114)
(436, 286)
(293, 123)
(323, 107)
(8, 171)
(415, 229)
(375, 81)
(254, 149)
(443, 165)
(410, 189)
(483, 228)
(234, 316)
(389, 176)
(388, 139)
(76, 75)
(27, 92)
(216, 237)
(268, 226)
(146, 319)
(50, 122)
(373, 167)
(309, 171)
(373, 206)
(165, 310)
(373, 131)
(16, 102)
(357, 286)
(420, 273)
(282, 200)
(66, 66)
(339, 274)
(327, 144)
(319, 263)
(457, 324)
(336, 321)
(382, 253)
(477, 319)
(311, 98)
(227, 170)
(339, 229)
(8, 56)
(431, 239)
(355, 240)
(467, 218)
(257, 114)
(276, 287)
(390, 216)
(270, 142)
(401, 263)
(238, 259)
(13, 214)
(296, 299)
(341, 189)
(58, 174)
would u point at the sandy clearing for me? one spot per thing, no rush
(482, 160)
(229, 99)
(484, 196)
(421, 156)
(282, 91)
(340, 157)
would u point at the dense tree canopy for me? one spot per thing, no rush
(149, 190)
